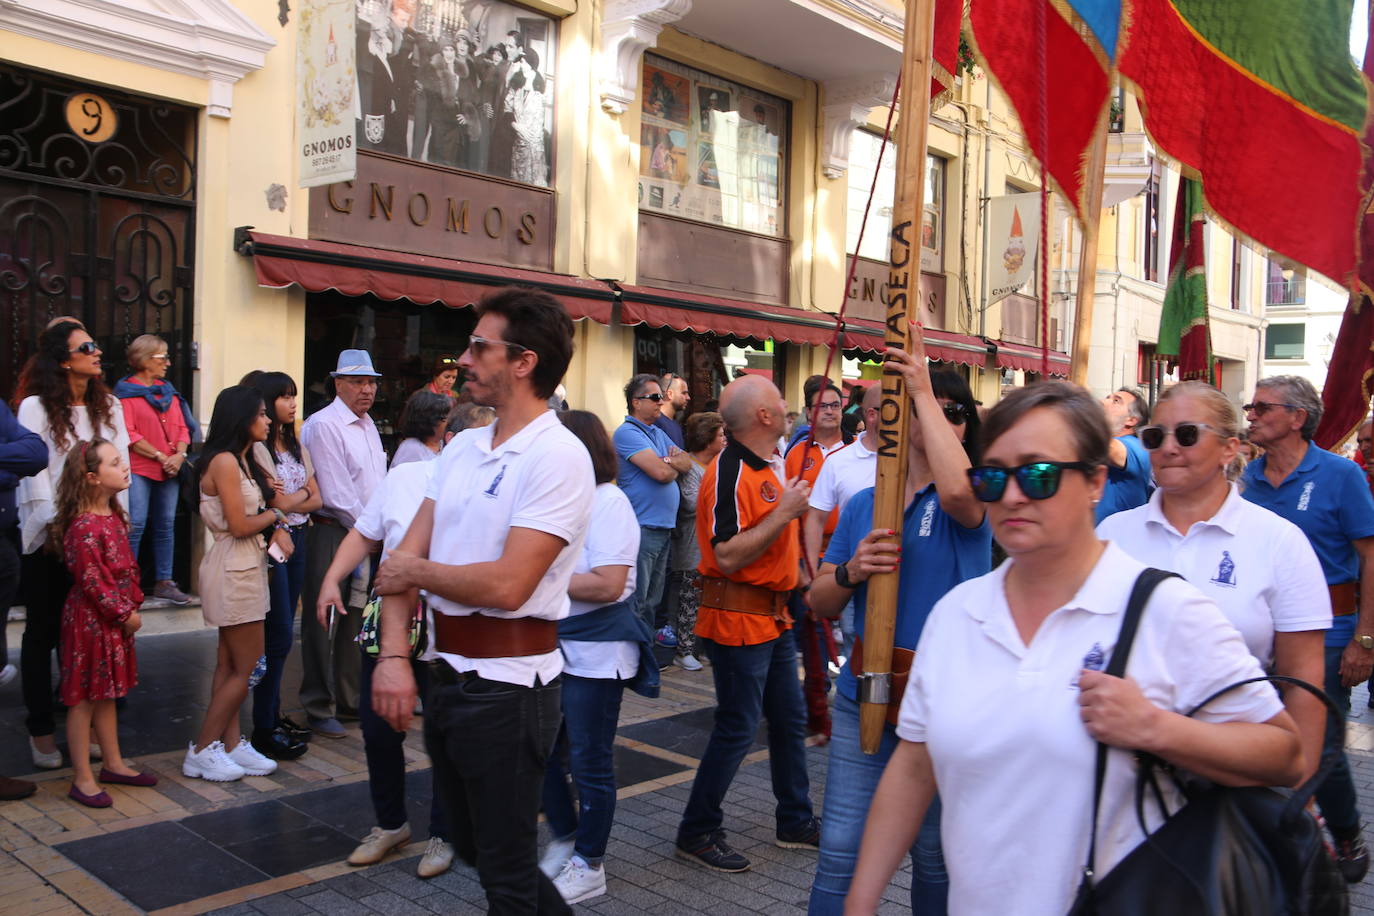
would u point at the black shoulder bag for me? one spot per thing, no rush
(1248, 851)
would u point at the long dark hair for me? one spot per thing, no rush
(274, 385)
(236, 409)
(48, 380)
(947, 384)
(588, 427)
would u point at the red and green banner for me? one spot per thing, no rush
(1260, 99)
(1185, 339)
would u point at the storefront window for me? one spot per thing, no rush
(461, 83)
(864, 146)
(711, 150)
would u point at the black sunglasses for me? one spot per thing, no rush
(955, 413)
(1185, 434)
(649, 397)
(89, 348)
(1038, 480)
(1260, 408)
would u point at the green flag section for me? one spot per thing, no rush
(1185, 340)
(1260, 99)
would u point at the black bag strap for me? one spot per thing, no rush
(1145, 585)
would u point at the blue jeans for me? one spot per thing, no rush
(753, 681)
(849, 786)
(651, 570)
(153, 506)
(591, 708)
(1336, 795)
(284, 584)
(386, 762)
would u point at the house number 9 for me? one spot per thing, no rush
(91, 118)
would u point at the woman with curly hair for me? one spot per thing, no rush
(65, 402)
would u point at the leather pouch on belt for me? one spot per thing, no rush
(901, 672)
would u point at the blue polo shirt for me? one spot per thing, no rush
(1327, 497)
(655, 503)
(672, 427)
(937, 554)
(1130, 485)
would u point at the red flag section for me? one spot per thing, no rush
(944, 47)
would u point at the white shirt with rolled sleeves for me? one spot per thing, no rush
(845, 472)
(1257, 566)
(349, 460)
(541, 478)
(1013, 760)
(612, 540)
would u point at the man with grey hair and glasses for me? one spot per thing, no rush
(1327, 497)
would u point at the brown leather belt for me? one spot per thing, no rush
(1343, 599)
(325, 520)
(901, 671)
(729, 595)
(480, 636)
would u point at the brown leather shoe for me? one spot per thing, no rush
(15, 789)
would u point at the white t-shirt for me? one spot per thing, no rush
(612, 540)
(37, 495)
(1257, 566)
(1013, 761)
(388, 514)
(541, 478)
(845, 472)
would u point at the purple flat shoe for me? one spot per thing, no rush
(138, 779)
(98, 800)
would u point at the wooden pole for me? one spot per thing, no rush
(904, 262)
(1087, 257)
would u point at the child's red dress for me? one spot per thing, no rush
(97, 655)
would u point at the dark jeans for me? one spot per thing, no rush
(753, 681)
(9, 584)
(591, 709)
(44, 584)
(1336, 795)
(386, 762)
(488, 742)
(284, 583)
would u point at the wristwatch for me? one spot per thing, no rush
(842, 577)
(1364, 642)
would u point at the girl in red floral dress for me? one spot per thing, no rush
(101, 614)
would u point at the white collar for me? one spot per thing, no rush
(1227, 517)
(518, 442)
(1105, 591)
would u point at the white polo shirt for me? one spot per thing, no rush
(540, 478)
(390, 511)
(612, 540)
(845, 472)
(1013, 761)
(1257, 566)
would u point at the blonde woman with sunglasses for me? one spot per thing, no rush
(1259, 568)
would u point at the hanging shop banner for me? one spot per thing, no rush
(1013, 236)
(326, 91)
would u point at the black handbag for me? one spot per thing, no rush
(1247, 851)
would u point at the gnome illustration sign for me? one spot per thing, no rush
(1014, 237)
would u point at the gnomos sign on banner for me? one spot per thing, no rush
(326, 91)
(1013, 236)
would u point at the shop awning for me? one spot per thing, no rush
(682, 311)
(944, 346)
(354, 270)
(1028, 359)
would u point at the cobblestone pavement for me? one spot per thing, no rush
(276, 844)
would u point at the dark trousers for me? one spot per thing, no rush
(44, 583)
(1336, 795)
(9, 584)
(488, 742)
(386, 761)
(284, 583)
(329, 668)
(753, 681)
(591, 710)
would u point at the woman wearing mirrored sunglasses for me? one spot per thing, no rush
(1259, 568)
(1007, 696)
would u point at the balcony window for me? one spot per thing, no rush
(863, 158)
(1285, 283)
(1284, 341)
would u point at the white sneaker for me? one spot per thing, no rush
(579, 881)
(437, 858)
(688, 661)
(52, 760)
(7, 674)
(212, 763)
(556, 856)
(378, 843)
(253, 763)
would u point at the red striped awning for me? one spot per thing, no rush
(355, 270)
(1029, 359)
(943, 346)
(700, 314)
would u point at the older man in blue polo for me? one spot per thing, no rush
(349, 464)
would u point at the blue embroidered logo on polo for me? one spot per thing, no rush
(496, 482)
(1095, 660)
(1226, 571)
